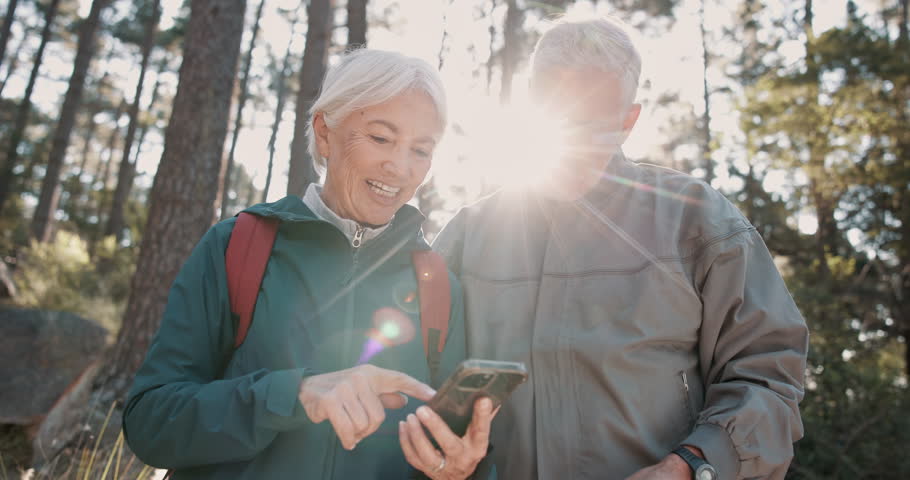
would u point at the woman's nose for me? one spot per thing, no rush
(396, 162)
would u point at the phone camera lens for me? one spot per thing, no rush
(476, 381)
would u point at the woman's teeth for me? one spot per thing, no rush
(383, 189)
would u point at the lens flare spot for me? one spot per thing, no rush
(406, 298)
(390, 330)
(391, 327)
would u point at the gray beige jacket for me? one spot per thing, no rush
(650, 314)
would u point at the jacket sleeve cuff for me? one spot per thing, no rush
(718, 448)
(283, 409)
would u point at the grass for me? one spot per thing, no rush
(94, 463)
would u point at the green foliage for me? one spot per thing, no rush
(838, 119)
(856, 389)
(60, 275)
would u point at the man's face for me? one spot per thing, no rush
(592, 108)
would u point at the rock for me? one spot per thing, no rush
(7, 287)
(66, 418)
(42, 355)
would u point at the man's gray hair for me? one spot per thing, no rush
(601, 43)
(364, 78)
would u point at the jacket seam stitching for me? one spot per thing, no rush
(717, 239)
(739, 465)
(618, 271)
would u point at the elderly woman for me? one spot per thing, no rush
(317, 387)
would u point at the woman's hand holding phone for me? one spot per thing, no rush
(459, 456)
(458, 417)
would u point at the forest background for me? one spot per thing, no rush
(796, 110)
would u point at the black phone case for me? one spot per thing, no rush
(454, 401)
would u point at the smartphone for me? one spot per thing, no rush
(473, 379)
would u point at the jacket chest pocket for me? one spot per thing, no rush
(652, 307)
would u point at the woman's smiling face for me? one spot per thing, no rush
(378, 156)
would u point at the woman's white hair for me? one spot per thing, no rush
(602, 43)
(364, 78)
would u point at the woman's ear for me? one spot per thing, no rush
(322, 134)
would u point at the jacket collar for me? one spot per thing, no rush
(313, 200)
(292, 209)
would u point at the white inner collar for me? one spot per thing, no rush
(313, 200)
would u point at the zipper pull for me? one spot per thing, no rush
(358, 237)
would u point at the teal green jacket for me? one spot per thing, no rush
(209, 411)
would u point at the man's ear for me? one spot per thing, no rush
(631, 118)
(322, 134)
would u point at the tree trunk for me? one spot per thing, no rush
(92, 127)
(512, 48)
(301, 171)
(491, 60)
(357, 24)
(25, 107)
(281, 95)
(87, 142)
(50, 187)
(251, 191)
(706, 148)
(127, 170)
(903, 39)
(7, 27)
(184, 198)
(816, 162)
(445, 36)
(155, 91)
(112, 146)
(14, 59)
(103, 196)
(238, 117)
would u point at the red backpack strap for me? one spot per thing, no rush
(435, 302)
(247, 255)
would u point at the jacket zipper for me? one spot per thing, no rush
(689, 406)
(356, 242)
(358, 237)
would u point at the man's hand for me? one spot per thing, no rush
(459, 456)
(354, 400)
(672, 467)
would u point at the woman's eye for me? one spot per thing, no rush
(379, 140)
(422, 153)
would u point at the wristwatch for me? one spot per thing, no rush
(701, 470)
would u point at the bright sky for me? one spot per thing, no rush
(672, 63)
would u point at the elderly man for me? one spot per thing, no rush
(661, 341)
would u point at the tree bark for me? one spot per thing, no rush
(706, 149)
(7, 27)
(281, 95)
(50, 187)
(357, 24)
(127, 171)
(903, 38)
(106, 167)
(184, 198)
(14, 59)
(25, 107)
(238, 117)
(491, 60)
(512, 48)
(301, 171)
(155, 93)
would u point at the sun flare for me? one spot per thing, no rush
(522, 144)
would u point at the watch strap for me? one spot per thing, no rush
(693, 460)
